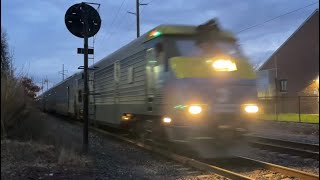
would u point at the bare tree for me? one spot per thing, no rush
(12, 91)
(5, 55)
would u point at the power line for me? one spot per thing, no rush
(113, 31)
(250, 39)
(125, 20)
(114, 18)
(256, 25)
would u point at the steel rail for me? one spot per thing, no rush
(281, 169)
(287, 147)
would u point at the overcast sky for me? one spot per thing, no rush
(42, 43)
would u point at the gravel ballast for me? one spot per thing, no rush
(107, 159)
(294, 162)
(290, 131)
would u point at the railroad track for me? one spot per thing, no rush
(233, 168)
(248, 167)
(287, 147)
(228, 167)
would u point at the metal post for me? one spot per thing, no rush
(138, 17)
(299, 108)
(276, 100)
(62, 72)
(42, 84)
(276, 104)
(47, 81)
(85, 94)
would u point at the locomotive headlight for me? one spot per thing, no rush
(224, 65)
(195, 109)
(167, 120)
(251, 108)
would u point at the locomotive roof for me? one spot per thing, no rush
(182, 30)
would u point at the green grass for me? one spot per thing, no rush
(291, 117)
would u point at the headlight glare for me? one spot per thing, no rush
(167, 120)
(251, 108)
(224, 65)
(195, 109)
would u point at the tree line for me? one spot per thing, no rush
(18, 91)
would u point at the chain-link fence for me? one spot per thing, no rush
(283, 108)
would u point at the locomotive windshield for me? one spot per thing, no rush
(191, 48)
(190, 59)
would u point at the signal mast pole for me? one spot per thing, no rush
(86, 89)
(83, 21)
(62, 72)
(138, 17)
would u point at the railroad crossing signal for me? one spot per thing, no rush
(83, 21)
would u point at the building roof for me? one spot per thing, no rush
(316, 12)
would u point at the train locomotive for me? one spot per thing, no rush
(176, 83)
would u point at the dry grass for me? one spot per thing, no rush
(292, 117)
(13, 102)
(17, 155)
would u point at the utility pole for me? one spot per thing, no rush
(62, 72)
(137, 14)
(46, 81)
(276, 81)
(42, 82)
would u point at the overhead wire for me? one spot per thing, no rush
(259, 24)
(113, 20)
(272, 19)
(269, 20)
(125, 21)
(117, 27)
